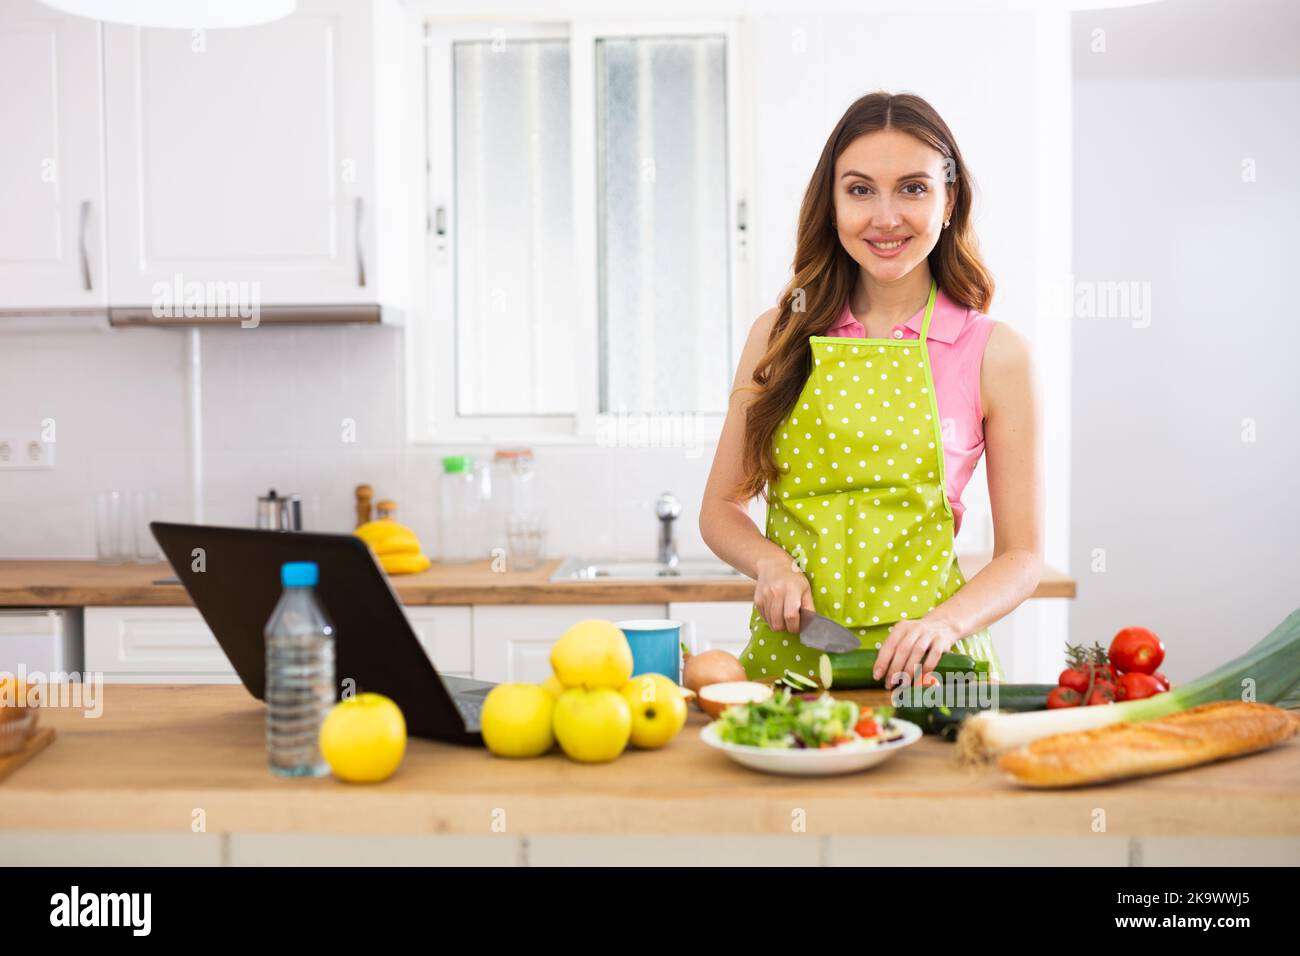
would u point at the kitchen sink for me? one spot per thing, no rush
(692, 569)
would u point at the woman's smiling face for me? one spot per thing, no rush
(891, 201)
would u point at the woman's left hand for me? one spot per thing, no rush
(913, 644)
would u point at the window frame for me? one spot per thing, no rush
(431, 359)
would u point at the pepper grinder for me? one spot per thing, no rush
(364, 494)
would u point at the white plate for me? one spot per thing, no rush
(846, 758)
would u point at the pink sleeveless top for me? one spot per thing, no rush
(956, 344)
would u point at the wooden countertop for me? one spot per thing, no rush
(86, 583)
(159, 752)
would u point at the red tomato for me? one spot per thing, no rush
(1102, 694)
(1164, 681)
(1136, 686)
(867, 727)
(1076, 679)
(1063, 697)
(1135, 649)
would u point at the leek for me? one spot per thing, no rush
(1273, 665)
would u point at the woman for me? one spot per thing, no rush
(861, 405)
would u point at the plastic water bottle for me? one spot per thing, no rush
(300, 688)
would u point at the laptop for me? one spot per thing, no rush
(233, 577)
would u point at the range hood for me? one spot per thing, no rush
(125, 316)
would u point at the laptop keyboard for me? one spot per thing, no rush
(471, 709)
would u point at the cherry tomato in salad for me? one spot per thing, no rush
(1164, 681)
(867, 727)
(1137, 650)
(1064, 697)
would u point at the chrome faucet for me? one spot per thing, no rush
(667, 509)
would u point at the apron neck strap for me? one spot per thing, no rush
(929, 310)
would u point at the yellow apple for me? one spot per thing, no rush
(363, 738)
(592, 726)
(553, 686)
(592, 653)
(658, 709)
(516, 720)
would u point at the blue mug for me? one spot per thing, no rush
(656, 647)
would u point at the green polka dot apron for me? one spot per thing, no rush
(860, 501)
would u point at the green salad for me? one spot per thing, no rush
(790, 721)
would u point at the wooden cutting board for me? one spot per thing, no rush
(35, 744)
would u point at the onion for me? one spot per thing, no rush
(712, 667)
(715, 698)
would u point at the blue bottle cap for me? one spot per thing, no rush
(299, 574)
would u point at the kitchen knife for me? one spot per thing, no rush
(823, 634)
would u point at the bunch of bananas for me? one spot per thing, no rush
(396, 546)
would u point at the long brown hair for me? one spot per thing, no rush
(825, 273)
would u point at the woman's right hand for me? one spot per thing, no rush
(780, 592)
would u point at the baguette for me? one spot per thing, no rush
(1202, 734)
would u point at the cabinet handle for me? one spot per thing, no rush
(361, 253)
(81, 246)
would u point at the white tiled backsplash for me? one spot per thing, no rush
(273, 404)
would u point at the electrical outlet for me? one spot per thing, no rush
(26, 453)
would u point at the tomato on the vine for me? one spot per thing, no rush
(1137, 650)
(1101, 694)
(1136, 686)
(1064, 697)
(1075, 678)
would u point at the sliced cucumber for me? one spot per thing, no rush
(798, 681)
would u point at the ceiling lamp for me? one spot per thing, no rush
(179, 14)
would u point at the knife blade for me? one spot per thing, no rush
(822, 634)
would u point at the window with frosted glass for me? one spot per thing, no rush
(514, 228)
(663, 241)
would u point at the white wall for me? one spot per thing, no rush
(1198, 526)
(272, 403)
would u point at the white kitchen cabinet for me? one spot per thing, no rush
(246, 157)
(513, 642)
(52, 161)
(173, 645)
(46, 642)
(445, 635)
(714, 624)
(154, 645)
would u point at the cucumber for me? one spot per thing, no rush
(853, 668)
(942, 722)
(1013, 697)
(945, 721)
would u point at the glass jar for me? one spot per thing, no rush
(461, 515)
(513, 484)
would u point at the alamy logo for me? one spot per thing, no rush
(102, 909)
(191, 299)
